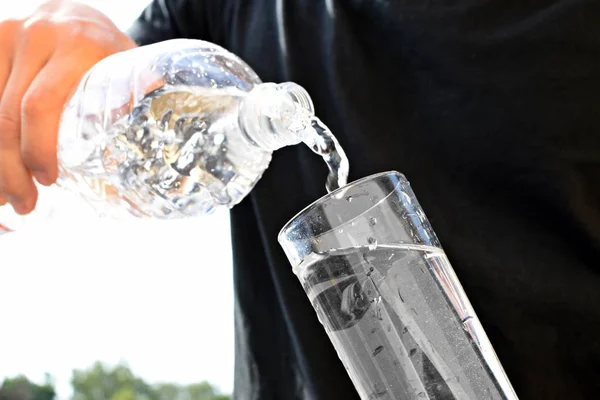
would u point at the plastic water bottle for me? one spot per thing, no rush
(177, 128)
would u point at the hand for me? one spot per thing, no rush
(42, 59)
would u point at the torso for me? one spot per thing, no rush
(490, 110)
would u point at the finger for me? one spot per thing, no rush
(42, 108)
(16, 184)
(31, 54)
(43, 104)
(7, 31)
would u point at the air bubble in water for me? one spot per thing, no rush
(406, 197)
(372, 243)
(219, 138)
(377, 350)
(465, 322)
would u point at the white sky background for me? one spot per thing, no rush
(157, 295)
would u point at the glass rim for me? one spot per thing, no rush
(331, 195)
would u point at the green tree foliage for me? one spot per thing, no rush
(119, 383)
(20, 388)
(100, 383)
(103, 383)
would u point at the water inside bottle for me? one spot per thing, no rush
(179, 152)
(174, 154)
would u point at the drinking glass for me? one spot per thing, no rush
(388, 298)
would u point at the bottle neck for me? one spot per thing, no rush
(273, 116)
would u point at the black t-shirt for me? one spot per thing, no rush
(491, 109)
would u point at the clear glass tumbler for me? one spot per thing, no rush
(388, 297)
